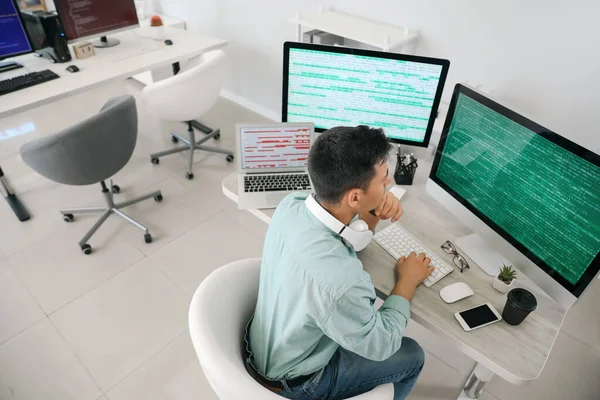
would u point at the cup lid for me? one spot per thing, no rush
(522, 299)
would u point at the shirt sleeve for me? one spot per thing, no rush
(355, 325)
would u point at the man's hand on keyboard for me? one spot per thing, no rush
(390, 207)
(412, 271)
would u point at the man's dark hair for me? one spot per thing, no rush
(344, 158)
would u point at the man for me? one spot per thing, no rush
(315, 332)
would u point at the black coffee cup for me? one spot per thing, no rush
(519, 303)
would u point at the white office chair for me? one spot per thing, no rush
(219, 312)
(186, 96)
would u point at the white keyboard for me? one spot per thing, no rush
(398, 242)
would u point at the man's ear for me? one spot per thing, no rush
(353, 198)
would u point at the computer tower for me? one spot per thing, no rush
(47, 35)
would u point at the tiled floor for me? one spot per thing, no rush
(112, 326)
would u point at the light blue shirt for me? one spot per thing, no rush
(315, 296)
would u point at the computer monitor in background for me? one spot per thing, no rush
(13, 36)
(84, 19)
(332, 86)
(528, 193)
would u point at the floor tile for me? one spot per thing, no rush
(18, 309)
(485, 395)
(441, 349)
(583, 320)
(43, 199)
(38, 364)
(18, 129)
(437, 381)
(56, 271)
(221, 115)
(156, 137)
(182, 208)
(122, 323)
(251, 222)
(212, 244)
(214, 166)
(572, 372)
(172, 374)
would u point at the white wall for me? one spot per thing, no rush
(541, 57)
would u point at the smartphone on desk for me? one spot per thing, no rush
(477, 317)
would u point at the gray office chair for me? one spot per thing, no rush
(90, 152)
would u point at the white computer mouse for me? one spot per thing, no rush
(455, 292)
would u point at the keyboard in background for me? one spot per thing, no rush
(276, 182)
(398, 242)
(25, 81)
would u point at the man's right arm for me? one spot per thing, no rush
(355, 325)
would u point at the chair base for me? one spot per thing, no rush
(192, 145)
(110, 208)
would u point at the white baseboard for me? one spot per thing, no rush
(252, 106)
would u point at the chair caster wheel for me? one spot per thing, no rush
(174, 139)
(68, 217)
(229, 158)
(189, 176)
(155, 161)
(87, 249)
(158, 197)
(148, 238)
(116, 189)
(217, 136)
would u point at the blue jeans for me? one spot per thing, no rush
(348, 374)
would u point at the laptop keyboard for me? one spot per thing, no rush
(277, 182)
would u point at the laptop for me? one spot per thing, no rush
(272, 162)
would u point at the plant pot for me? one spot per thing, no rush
(157, 32)
(501, 286)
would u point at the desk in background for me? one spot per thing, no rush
(136, 53)
(517, 354)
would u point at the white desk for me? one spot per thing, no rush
(517, 354)
(136, 53)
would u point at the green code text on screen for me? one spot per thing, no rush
(545, 197)
(332, 89)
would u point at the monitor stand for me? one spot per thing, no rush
(105, 42)
(477, 249)
(9, 65)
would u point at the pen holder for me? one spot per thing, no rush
(405, 174)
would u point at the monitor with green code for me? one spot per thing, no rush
(340, 86)
(537, 189)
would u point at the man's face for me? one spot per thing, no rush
(373, 196)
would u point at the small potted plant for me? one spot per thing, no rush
(505, 279)
(156, 27)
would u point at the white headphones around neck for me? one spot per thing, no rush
(357, 234)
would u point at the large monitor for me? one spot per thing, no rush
(13, 36)
(530, 193)
(84, 19)
(332, 86)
